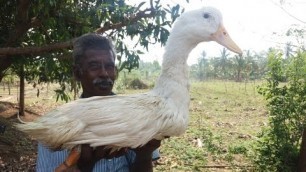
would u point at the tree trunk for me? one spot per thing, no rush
(48, 84)
(21, 93)
(302, 156)
(5, 64)
(239, 75)
(74, 88)
(9, 87)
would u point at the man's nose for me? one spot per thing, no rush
(103, 71)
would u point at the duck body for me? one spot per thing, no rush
(95, 122)
(133, 120)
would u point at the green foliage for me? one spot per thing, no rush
(138, 84)
(250, 66)
(238, 149)
(278, 147)
(40, 23)
(62, 94)
(142, 78)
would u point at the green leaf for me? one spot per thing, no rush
(140, 5)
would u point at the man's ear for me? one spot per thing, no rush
(77, 73)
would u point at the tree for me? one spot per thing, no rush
(39, 34)
(251, 66)
(238, 64)
(223, 62)
(261, 61)
(223, 65)
(288, 50)
(200, 70)
(215, 63)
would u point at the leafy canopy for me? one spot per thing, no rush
(38, 34)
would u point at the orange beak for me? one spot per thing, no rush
(223, 38)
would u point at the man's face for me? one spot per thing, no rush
(96, 73)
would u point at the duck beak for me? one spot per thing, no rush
(223, 38)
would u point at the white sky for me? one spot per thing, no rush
(254, 25)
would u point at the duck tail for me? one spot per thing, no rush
(52, 133)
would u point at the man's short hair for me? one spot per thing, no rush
(91, 41)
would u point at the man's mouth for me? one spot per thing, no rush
(103, 83)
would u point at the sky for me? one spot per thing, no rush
(254, 25)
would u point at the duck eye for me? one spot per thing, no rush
(206, 15)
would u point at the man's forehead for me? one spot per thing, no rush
(99, 54)
(98, 51)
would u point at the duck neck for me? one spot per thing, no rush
(174, 67)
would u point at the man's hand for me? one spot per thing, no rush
(89, 156)
(148, 148)
(63, 168)
(143, 161)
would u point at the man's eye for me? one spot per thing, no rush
(94, 66)
(109, 67)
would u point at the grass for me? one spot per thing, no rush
(225, 116)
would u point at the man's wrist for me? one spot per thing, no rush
(143, 157)
(143, 162)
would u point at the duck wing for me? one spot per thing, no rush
(116, 121)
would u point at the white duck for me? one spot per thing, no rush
(134, 120)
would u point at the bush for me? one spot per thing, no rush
(138, 84)
(279, 144)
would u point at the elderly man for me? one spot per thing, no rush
(94, 66)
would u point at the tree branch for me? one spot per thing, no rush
(127, 21)
(9, 51)
(35, 50)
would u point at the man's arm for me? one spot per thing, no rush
(143, 160)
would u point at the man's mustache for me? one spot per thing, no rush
(103, 82)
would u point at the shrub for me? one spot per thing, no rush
(138, 84)
(279, 144)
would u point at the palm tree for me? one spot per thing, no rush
(202, 66)
(223, 62)
(239, 65)
(261, 59)
(251, 65)
(288, 50)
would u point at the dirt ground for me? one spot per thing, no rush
(17, 150)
